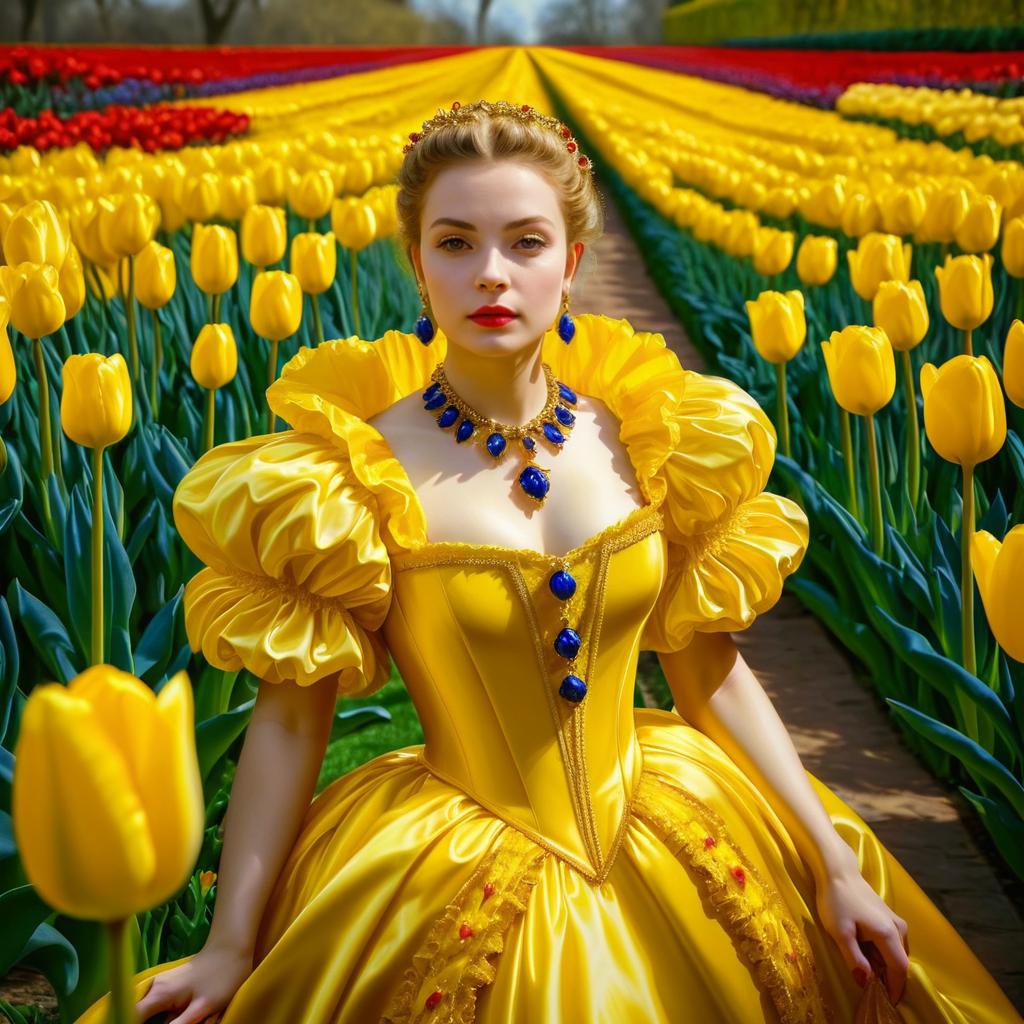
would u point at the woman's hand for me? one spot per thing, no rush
(852, 912)
(200, 989)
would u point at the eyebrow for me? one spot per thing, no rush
(511, 224)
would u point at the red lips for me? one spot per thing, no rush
(492, 311)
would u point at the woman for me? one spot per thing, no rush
(550, 853)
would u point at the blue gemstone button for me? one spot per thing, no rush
(567, 393)
(562, 585)
(466, 428)
(534, 482)
(566, 418)
(567, 643)
(495, 444)
(435, 401)
(573, 688)
(448, 417)
(553, 434)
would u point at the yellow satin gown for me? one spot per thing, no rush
(536, 860)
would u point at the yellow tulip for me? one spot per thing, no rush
(128, 223)
(1013, 364)
(96, 406)
(36, 234)
(740, 234)
(156, 276)
(91, 240)
(964, 412)
(965, 290)
(979, 229)
(860, 215)
(107, 769)
(780, 202)
(71, 282)
(37, 308)
(201, 196)
(902, 209)
(816, 259)
(999, 569)
(825, 204)
(214, 258)
(314, 261)
(773, 251)
(861, 368)
(901, 311)
(944, 213)
(214, 359)
(355, 224)
(1013, 247)
(275, 310)
(8, 369)
(878, 257)
(777, 324)
(311, 196)
(264, 235)
(270, 182)
(237, 194)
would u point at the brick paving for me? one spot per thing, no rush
(842, 730)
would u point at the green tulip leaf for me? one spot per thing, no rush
(155, 647)
(45, 632)
(52, 954)
(1005, 827)
(22, 910)
(143, 528)
(215, 735)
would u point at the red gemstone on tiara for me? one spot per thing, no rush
(456, 104)
(565, 132)
(525, 107)
(583, 161)
(415, 136)
(571, 146)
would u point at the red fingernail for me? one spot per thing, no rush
(860, 976)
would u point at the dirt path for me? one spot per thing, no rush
(842, 729)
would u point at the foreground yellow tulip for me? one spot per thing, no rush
(777, 324)
(999, 569)
(901, 311)
(214, 259)
(36, 234)
(311, 196)
(1013, 247)
(965, 292)
(861, 368)
(314, 261)
(275, 309)
(37, 308)
(1013, 364)
(156, 276)
(264, 235)
(773, 251)
(128, 223)
(964, 412)
(816, 259)
(96, 404)
(107, 769)
(214, 360)
(877, 258)
(979, 229)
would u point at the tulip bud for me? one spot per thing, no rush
(860, 216)
(1013, 247)
(773, 251)
(275, 310)
(825, 204)
(816, 259)
(128, 223)
(71, 283)
(311, 196)
(901, 311)
(270, 182)
(201, 197)
(237, 194)
(964, 412)
(80, 771)
(359, 226)
(999, 568)
(877, 258)
(37, 308)
(965, 290)
(156, 276)
(780, 202)
(96, 406)
(1013, 364)
(214, 258)
(979, 229)
(214, 359)
(8, 369)
(861, 368)
(944, 214)
(36, 234)
(777, 324)
(264, 235)
(902, 209)
(314, 261)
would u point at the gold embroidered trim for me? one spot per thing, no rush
(712, 541)
(751, 912)
(269, 586)
(457, 957)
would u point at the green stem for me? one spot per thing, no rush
(209, 309)
(968, 346)
(133, 344)
(96, 651)
(966, 577)
(355, 294)
(120, 958)
(913, 430)
(211, 394)
(271, 377)
(158, 358)
(851, 466)
(783, 410)
(216, 309)
(877, 530)
(45, 442)
(318, 324)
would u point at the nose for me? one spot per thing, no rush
(492, 275)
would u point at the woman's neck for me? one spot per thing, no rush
(508, 388)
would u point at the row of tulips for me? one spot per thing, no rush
(892, 565)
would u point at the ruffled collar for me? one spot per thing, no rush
(331, 390)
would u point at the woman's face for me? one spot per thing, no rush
(492, 234)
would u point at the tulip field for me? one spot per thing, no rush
(175, 225)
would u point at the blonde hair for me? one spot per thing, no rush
(492, 135)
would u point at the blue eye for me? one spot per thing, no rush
(443, 244)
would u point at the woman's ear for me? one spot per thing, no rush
(572, 262)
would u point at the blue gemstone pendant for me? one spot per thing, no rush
(496, 444)
(448, 417)
(567, 394)
(566, 328)
(465, 430)
(424, 330)
(535, 483)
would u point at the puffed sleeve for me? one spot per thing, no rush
(731, 544)
(297, 580)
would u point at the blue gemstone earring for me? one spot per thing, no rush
(424, 325)
(566, 324)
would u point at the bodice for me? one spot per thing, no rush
(471, 629)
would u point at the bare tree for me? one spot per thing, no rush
(481, 17)
(216, 18)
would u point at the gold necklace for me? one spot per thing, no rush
(554, 422)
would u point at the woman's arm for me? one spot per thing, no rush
(717, 693)
(277, 771)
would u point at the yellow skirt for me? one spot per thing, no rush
(404, 900)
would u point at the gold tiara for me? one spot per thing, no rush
(521, 112)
